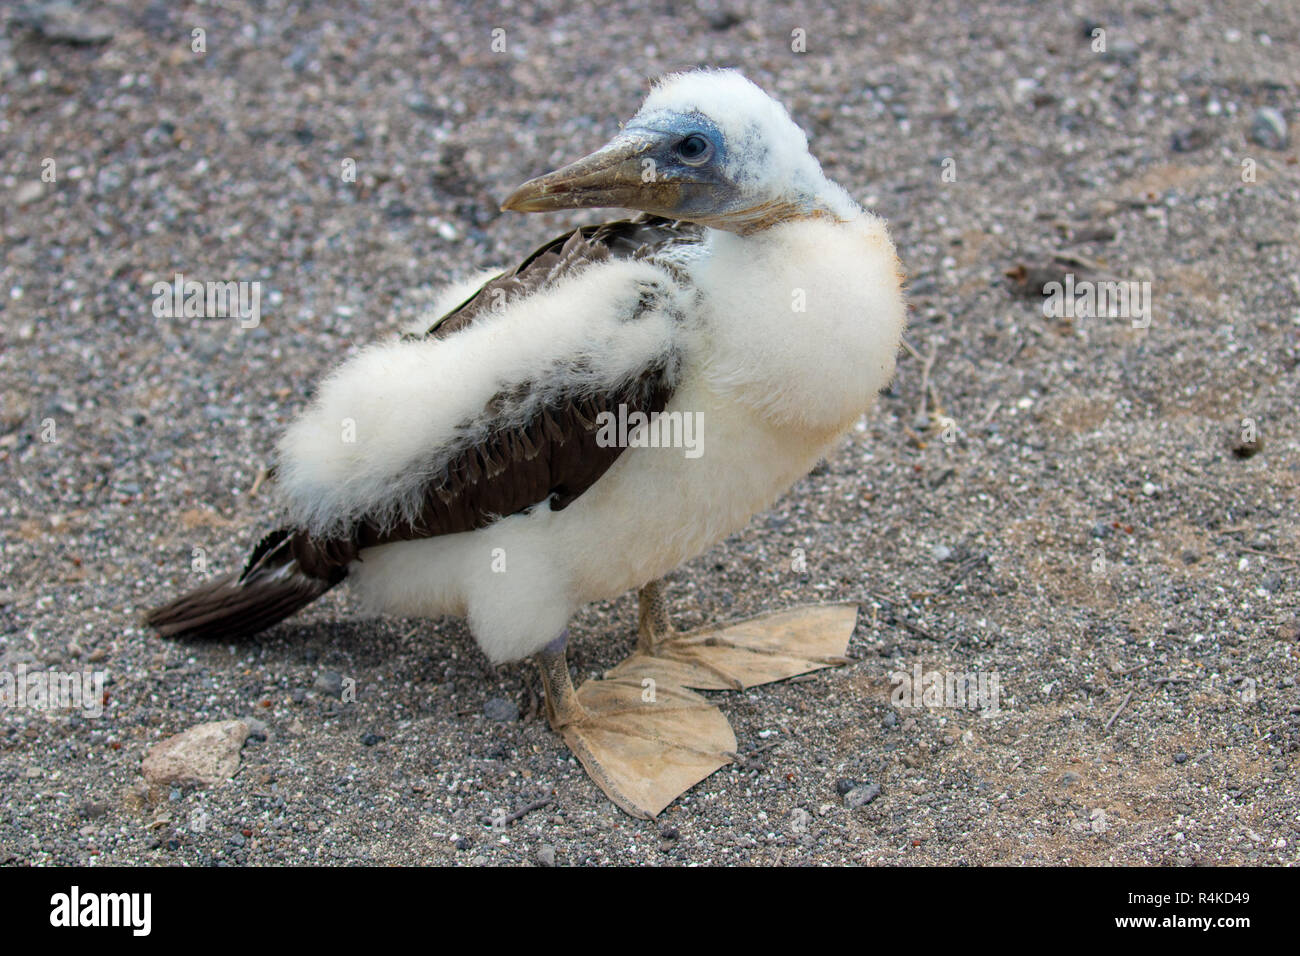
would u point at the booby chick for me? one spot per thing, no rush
(469, 468)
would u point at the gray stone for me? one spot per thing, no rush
(58, 21)
(1191, 139)
(1268, 128)
(29, 192)
(8, 65)
(861, 796)
(501, 710)
(1123, 51)
(329, 682)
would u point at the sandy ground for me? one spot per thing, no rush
(1069, 506)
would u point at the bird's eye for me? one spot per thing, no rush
(694, 149)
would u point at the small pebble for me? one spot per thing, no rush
(546, 856)
(861, 796)
(501, 710)
(329, 682)
(1268, 129)
(1122, 51)
(59, 21)
(723, 19)
(1191, 139)
(29, 192)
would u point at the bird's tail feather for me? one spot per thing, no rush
(271, 587)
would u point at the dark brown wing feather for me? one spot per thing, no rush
(555, 456)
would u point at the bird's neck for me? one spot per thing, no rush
(813, 196)
(758, 219)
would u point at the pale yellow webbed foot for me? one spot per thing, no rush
(644, 741)
(768, 647)
(647, 744)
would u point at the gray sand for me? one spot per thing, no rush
(1090, 527)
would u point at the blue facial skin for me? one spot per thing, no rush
(705, 188)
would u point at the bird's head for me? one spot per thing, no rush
(706, 146)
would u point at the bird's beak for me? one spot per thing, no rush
(622, 174)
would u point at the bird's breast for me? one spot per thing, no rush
(664, 502)
(803, 323)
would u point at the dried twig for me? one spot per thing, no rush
(1122, 704)
(918, 630)
(520, 813)
(1267, 554)
(926, 365)
(743, 760)
(1074, 259)
(1133, 670)
(964, 570)
(262, 474)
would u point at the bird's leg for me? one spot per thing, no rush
(653, 626)
(562, 707)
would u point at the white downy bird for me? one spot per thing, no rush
(611, 408)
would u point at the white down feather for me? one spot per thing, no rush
(409, 407)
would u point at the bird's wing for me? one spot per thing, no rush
(645, 237)
(549, 455)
